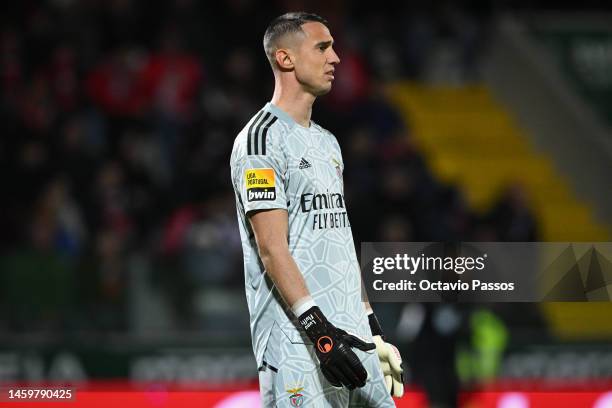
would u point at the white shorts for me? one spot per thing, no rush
(290, 377)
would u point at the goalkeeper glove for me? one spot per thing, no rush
(339, 364)
(389, 358)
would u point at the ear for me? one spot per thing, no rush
(284, 59)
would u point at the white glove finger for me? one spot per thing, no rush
(386, 368)
(395, 359)
(389, 383)
(398, 387)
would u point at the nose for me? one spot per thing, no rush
(333, 58)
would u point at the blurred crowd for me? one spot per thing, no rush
(118, 118)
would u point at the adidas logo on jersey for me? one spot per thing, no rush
(304, 164)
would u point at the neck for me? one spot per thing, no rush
(292, 99)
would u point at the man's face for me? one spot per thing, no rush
(315, 59)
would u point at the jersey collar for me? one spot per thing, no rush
(282, 115)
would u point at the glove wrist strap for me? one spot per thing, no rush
(314, 323)
(375, 325)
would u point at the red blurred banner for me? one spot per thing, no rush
(124, 394)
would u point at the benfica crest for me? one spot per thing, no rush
(296, 398)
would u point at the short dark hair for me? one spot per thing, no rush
(288, 23)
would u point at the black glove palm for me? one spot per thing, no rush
(339, 364)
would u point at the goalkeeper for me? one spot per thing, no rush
(316, 343)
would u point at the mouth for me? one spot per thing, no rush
(330, 74)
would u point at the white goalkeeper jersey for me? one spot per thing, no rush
(277, 163)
